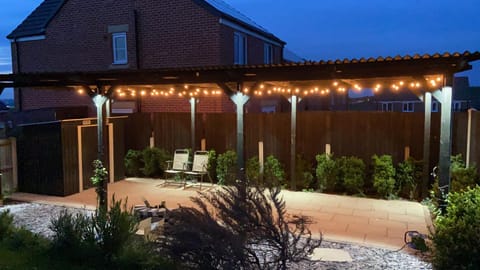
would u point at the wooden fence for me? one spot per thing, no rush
(360, 134)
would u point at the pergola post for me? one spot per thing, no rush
(193, 111)
(240, 100)
(426, 141)
(293, 137)
(445, 139)
(100, 96)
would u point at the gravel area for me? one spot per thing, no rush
(36, 218)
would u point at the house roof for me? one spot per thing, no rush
(38, 20)
(231, 13)
(36, 23)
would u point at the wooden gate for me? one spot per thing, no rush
(8, 167)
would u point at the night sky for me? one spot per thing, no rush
(337, 29)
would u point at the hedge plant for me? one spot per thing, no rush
(227, 168)
(462, 177)
(253, 171)
(408, 175)
(326, 173)
(351, 173)
(133, 163)
(154, 161)
(383, 175)
(303, 174)
(456, 237)
(273, 173)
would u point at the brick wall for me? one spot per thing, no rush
(167, 33)
(37, 99)
(215, 104)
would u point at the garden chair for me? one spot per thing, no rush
(176, 168)
(199, 167)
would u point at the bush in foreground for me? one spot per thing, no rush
(456, 238)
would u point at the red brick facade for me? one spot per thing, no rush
(167, 33)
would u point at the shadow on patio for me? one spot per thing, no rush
(370, 222)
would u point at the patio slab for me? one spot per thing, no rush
(370, 222)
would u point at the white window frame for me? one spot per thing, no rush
(435, 106)
(408, 107)
(239, 49)
(387, 107)
(116, 50)
(268, 53)
(457, 106)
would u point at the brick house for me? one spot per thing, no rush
(93, 35)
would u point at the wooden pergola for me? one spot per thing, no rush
(295, 79)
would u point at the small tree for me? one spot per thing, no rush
(100, 181)
(154, 161)
(383, 175)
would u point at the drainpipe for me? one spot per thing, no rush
(19, 90)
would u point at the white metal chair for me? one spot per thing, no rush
(177, 167)
(200, 166)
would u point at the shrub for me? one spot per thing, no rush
(134, 163)
(227, 168)
(212, 164)
(383, 175)
(456, 238)
(273, 173)
(253, 170)
(326, 173)
(351, 173)
(237, 228)
(408, 175)
(154, 161)
(6, 224)
(303, 174)
(461, 176)
(106, 239)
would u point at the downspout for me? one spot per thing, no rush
(137, 42)
(137, 55)
(19, 90)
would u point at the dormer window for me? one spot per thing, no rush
(240, 48)
(120, 48)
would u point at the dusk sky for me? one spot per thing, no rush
(337, 29)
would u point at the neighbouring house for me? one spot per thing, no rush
(92, 35)
(391, 100)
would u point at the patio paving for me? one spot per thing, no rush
(370, 222)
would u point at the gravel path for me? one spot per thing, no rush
(36, 218)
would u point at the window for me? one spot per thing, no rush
(434, 106)
(269, 109)
(457, 106)
(408, 107)
(387, 107)
(240, 49)
(268, 53)
(120, 48)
